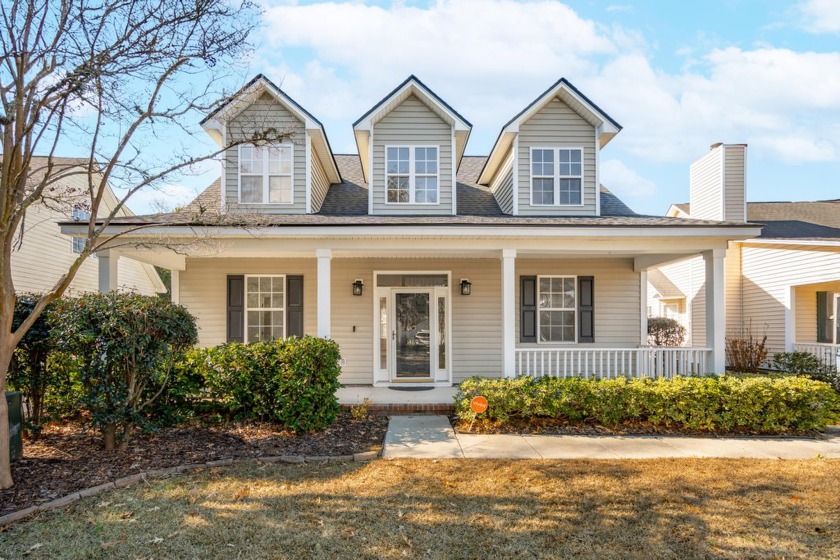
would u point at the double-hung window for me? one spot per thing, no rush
(79, 214)
(411, 174)
(556, 176)
(265, 174)
(557, 299)
(265, 307)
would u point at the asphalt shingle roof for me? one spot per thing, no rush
(793, 220)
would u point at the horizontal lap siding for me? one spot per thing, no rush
(705, 179)
(618, 304)
(476, 319)
(320, 183)
(204, 290)
(502, 185)
(266, 113)
(557, 125)
(735, 178)
(412, 123)
(768, 274)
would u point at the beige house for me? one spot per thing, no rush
(42, 254)
(784, 283)
(426, 265)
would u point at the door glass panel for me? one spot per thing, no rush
(413, 337)
(383, 333)
(441, 333)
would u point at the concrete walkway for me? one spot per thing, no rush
(432, 437)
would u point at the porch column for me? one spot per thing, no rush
(175, 286)
(324, 257)
(790, 318)
(108, 270)
(509, 312)
(715, 310)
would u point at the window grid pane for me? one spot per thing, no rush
(558, 308)
(265, 306)
(264, 168)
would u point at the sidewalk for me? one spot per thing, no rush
(432, 437)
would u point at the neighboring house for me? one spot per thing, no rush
(784, 283)
(426, 265)
(42, 254)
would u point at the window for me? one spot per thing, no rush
(265, 308)
(411, 174)
(265, 174)
(79, 214)
(557, 299)
(556, 176)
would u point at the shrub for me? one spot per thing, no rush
(805, 363)
(745, 352)
(726, 403)
(126, 344)
(664, 331)
(292, 381)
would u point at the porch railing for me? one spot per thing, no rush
(611, 362)
(828, 354)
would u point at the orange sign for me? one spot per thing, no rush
(478, 404)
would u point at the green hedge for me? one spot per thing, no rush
(758, 404)
(292, 382)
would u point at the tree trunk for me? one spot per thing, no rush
(109, 432)
(6, 480)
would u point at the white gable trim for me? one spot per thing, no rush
(411, 87)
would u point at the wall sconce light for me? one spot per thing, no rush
(466, 287)
(358, 285)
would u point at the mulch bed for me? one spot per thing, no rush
(67, 457)
(555, 426)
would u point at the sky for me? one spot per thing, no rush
(677, 75)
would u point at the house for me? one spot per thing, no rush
(784, 283)
(428, 266)
(41, 254)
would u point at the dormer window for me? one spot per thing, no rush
(556, 176)
(412, 174)
(265, 174)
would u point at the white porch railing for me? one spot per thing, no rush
(611, 362)
(828, 354)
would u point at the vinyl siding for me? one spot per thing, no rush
(557, 125)
(689, 276)
(502, 185)
(320, 183)
(617, 297)
(45, 255)
(806, 308)
(264, 113)
(204, 290)
(412, 123)
(476, 319)
(769, 271)
(735, 182)
(705, 178)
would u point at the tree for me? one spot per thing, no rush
(111, 76)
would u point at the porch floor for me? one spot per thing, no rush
(355, 394)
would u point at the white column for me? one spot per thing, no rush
(715, 310)
(324, 257)
(175, 286)
(643, 299)
(109, 261)
(790, 319)
(509, 312)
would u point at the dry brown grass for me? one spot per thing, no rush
(458, 509)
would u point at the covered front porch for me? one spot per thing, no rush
(814, 321)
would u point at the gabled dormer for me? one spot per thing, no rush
(410, 145)
(545, 160)
(290, 176)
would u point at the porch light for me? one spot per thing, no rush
(466, 287)
(358, 285)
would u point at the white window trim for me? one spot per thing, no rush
(265, 175)
(411, 174)
(281, 309)
(555, 150)
(539, 309)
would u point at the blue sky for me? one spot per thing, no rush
(677, 75)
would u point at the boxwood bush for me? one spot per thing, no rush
(727, 404)
(292, 382)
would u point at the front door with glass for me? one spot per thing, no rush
(411, 336)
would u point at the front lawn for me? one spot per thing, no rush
(457, 509)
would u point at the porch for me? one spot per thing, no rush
(813, 321)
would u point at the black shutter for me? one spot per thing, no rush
(823, 317)
(586, 309)
(236, 308)
(528, 309)
(294, 306)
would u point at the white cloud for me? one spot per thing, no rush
(164, 198)
(624, 181)
(820, 16)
